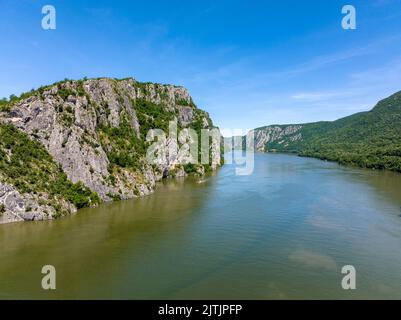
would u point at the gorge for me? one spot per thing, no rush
(75, 144)
(289, 226)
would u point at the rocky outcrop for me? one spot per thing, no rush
(280, 135)
(96, 129)
(15, 206)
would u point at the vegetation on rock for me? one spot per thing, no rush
(26, 164)
(92, 131)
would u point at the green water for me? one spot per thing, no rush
(283, 232)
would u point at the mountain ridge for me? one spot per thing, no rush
(370, 139)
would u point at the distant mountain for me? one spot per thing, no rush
(367, 139)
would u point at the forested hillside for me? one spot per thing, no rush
(367, 139)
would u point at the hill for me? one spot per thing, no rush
(368, 139)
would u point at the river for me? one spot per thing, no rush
(283, 232)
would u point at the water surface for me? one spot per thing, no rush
(283, 232)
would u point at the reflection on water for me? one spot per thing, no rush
(283, 232)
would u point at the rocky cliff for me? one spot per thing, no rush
(280, 135)
(76, 143)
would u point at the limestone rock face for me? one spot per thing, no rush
(89, 127)
(24, 207)
(185, 115)
(276, 134)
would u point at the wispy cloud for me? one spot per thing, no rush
(320, 96)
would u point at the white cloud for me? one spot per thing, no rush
(318, 96)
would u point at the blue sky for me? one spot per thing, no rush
(248, 63)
